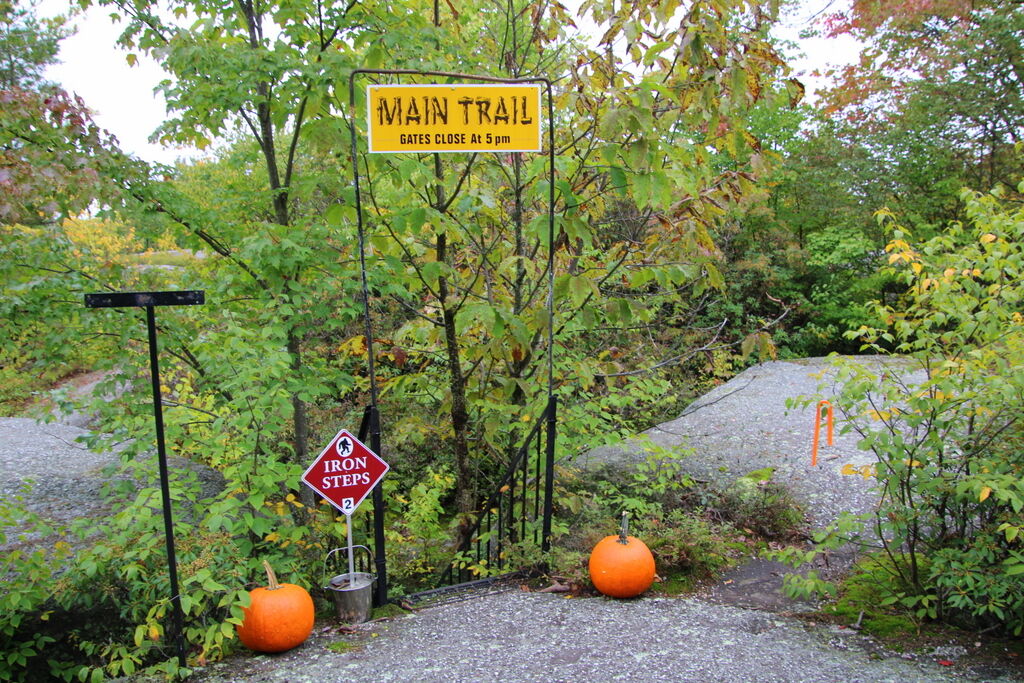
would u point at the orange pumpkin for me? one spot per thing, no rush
(621, 566)
(279, 617)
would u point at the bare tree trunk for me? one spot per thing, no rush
(465, 489)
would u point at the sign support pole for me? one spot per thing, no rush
(149, 300)
(351, 559)
(165, 489)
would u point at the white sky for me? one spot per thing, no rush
(123, 99)
(121, 96)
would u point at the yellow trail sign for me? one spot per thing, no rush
(454, 118)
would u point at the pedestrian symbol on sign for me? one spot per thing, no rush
(344, 446)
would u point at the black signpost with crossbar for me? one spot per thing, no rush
(149, 300)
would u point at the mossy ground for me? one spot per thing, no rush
(678, 584)
(858, 606)
(388, 611)
(341, 646)
(859, 602)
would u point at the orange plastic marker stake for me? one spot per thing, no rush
(817, 429)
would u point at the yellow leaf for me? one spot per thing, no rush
(154, 632)
(985, 491)
(987, 238)
(848, 470)
(916, 267)
(867, 471)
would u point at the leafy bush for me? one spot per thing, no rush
(949, 448)
(418, 541)
(683, 523)
(762, 507)
(28, 573)
(684, 542)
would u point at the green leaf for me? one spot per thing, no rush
(335, 214)
(619, 181)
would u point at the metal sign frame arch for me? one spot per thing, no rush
(372, 419)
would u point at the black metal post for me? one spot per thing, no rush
(165, 489)
(380, 556)
(149, 300)
(549, 475)
(380, 559)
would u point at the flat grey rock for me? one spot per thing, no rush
(744, 425)
(44, 464)
(61, 480)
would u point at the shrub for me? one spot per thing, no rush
(28, 572)
(762, 507)
(682, 522)
(949, 448)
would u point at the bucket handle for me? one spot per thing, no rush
(344, 549)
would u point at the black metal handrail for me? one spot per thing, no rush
(520, 504)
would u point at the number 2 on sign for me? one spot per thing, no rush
(347, 505)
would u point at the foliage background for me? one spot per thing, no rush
(706, 218)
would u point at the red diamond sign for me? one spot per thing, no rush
(345, 472)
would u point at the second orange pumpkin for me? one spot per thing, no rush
(621, 566)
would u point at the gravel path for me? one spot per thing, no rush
(517, 636)
(59, 479)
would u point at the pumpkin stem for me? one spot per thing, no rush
(624, 530)
(272, 583)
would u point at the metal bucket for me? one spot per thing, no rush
(354, 601)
